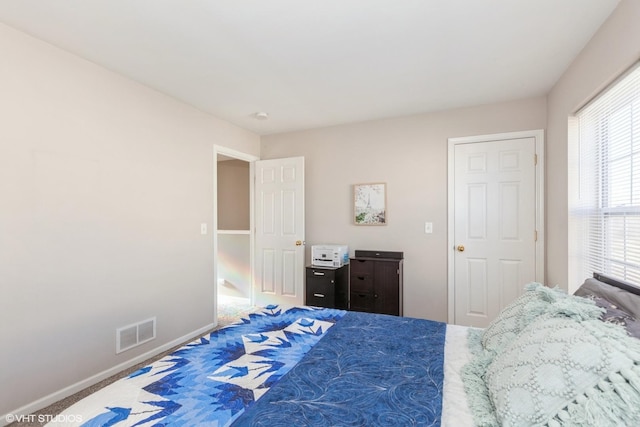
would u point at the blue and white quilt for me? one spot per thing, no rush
(302, 366)
(369, 370)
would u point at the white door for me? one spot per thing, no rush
(494, 226)
(279, 222)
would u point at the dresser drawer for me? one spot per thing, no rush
(320, 273)
(321, 285)
(362, 301)
(320, 293)
(361, 282)
(361, 266)
(319, 299)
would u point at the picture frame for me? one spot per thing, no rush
(370, 203)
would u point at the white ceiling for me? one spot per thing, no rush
(320, 63)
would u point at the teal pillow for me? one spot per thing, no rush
(536, 301)
(561, 371)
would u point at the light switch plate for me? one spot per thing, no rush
(428, 227)
(203, 228)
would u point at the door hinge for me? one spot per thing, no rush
(535, 160)
(535, 235)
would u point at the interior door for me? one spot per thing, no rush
(494, 226)
(279, 222)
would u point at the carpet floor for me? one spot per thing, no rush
(230, 310)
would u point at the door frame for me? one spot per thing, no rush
(239, 155)
(538, 136)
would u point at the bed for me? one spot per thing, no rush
(548, 359)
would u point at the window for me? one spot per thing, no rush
(605, 201)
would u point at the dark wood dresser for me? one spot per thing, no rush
(376, 282)
(327, 286)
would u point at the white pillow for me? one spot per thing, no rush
(564, 372)
(534, 302)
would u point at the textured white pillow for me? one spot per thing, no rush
(536, 301)
(517, 315)
(562, 371)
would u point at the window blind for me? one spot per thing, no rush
(606, 214)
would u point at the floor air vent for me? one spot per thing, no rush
(133, 335)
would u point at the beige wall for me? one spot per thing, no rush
(612, 49)
(410, 155)
(103, 186)
(233, 195)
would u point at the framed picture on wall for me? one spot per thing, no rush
(370, 204)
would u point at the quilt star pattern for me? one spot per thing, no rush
(213, 379)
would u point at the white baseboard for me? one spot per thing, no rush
(81, 385)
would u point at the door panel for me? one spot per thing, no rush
(509, 211)
(510, 272)
(477, 211)
(289, 209)
(279, 196)
(268, 213)
(477, 293)
(268, 276)
(494, 226)
(289, 259)
(386, 296)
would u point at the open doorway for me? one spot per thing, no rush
(233, 242)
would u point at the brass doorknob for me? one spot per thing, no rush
(460, 248)
(299, 242)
